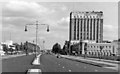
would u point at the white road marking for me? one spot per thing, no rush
(37, 60)
(69, 70)
(34, 71)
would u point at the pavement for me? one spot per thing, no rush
(110, 61)
(98, 62)
(13, 56)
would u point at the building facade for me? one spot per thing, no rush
(96, 49)
(104, 49)
(86, 26)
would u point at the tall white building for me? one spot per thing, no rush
(86, 26)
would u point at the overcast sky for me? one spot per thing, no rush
(16, 14)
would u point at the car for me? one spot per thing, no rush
(58, 56)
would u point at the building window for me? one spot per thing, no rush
(81, 24)
(94, 30)
(106, 46)
(84, 24)
(91, 29)
(97, 30)
(88, 25)
(109, 46)
(75, 29)
(97, 46)
(87, 38)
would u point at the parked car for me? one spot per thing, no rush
(58, 56)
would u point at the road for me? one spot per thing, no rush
(49, 63)
(17, 64)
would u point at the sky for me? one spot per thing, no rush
(16, 14)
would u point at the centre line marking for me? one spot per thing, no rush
(69, 70)
(34, 71)
(36, 60)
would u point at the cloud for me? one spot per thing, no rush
(63, 23)
(11, 28)
(25, 9)
(63, 8)
(110, 32)
(64, 19)
(111, 28)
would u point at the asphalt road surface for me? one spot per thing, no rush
(17, 64)
(49, 64)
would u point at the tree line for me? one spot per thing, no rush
(58, 50)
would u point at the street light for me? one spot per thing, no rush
(25, 28)
(48, 28)
(43, 44)
(36, 31)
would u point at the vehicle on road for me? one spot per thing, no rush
(58, 56)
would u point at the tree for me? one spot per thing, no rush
(11, 49)
(21, 46)
(56, 48)
(119, 39)
(5, 48)
(26, 47)
(66, 47)
(17, 46)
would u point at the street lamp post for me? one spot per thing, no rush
(36, 24)
(43, 44)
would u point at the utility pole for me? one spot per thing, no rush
(36, 24)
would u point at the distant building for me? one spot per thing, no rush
(86, 26)
(104, 49)
(96, 49)
(106, 41)
(86, 35)
(1, 47)
(9, 44)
